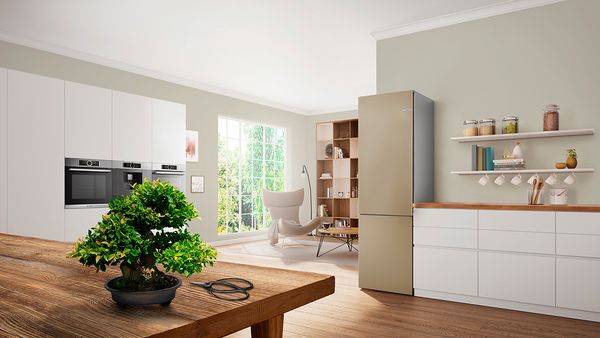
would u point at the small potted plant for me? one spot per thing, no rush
(141, 231)
(571, 158)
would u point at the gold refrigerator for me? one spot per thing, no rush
(396, 170)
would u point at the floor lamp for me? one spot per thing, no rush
(305, 174)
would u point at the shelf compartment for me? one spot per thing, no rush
(524, 171)
(341, 208)
(341, 129)
(519, 136)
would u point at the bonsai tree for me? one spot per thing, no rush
(144, 229)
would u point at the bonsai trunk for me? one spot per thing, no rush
(142, 275)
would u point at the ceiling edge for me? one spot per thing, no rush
(460, 17)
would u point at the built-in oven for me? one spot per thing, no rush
(126, 174)
(88, 183)
(173, 174)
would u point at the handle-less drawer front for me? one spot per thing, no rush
(446, 270)
(578, 223)
(578, 245)
(445, 218)
(516, 220)
(454, 238)
(529, 242)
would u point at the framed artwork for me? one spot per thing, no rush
(197, 183)
(191, 146)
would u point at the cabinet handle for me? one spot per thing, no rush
(90, 170)
(180, 173)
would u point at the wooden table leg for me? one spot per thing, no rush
(270, 328)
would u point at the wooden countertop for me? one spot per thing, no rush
(43, 293)
(501, 206)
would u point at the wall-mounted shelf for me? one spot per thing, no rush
(524, 171)
(519, 136)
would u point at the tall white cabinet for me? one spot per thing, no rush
(88, 121)
(35, 155)
(168, 132)
(3, 150)
(131, 127)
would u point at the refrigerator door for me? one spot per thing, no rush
(385, 259)
(386, 159)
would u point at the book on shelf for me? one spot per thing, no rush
(482, 158)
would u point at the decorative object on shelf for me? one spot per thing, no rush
(338, 153)
(340, 194)
(484, 180)
(197, 184)
(560, 165)
(329, 151)
(323, 212)
(516, 180)
(509, 164)
(507, 154)
(499, 180)
(558, 196)
(571, 158)
(354, 192)
(510, 125)
(305, 174)
(552, 179)
(517, 151)
(191, 146)
(487, 126)
(570, 179)
(132, 235)
(535, 194)
(326, 176)
(329, 192)
(551, 117)
(470, 128)
(341, 223)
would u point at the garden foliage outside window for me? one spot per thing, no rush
(251, 157)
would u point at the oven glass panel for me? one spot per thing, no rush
(88, 187)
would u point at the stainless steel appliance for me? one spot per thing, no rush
(396, 170)
(171, 173)
(88, 183)
(126, 174)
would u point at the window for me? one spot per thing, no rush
(251, 157)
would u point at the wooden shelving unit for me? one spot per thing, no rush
(341, 203)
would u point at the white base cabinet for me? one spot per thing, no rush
(577, 282)
(79, 221)
(446, 270)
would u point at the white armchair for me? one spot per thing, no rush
(284, 208)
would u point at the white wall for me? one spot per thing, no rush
(511, 64)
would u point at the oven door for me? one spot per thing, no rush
(87, 187)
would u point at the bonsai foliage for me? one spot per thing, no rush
(146, 228)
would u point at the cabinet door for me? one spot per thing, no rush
(577, 283)
(132, 133)
(385, 165)
(385, 259)
(3, 151)
(168, 132)
(88, 116)
(79, 221)
(517, 277)
(36, 156)
(446, 270)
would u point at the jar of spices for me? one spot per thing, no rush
(470, 128)
(487, 127)
(510, 125)
(551, 117)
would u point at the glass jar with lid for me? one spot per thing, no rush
(510, 125)
(487, 126)
(470, 128)
(551, 117)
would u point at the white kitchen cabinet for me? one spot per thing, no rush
(444, 237)
(88, 121)
(530, 242)
(3, 151)
(517, 220)
(446, 270)
(578, 245)
(578, 223)
(577, 283)
(35, 155)
(445, 218)
(79, 221)
(168, 132)
(517, 277)
(131, 127)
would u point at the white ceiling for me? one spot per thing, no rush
(306, 56)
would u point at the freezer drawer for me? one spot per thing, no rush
(385, 258)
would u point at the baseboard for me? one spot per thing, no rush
(238, 240)
(504, 304)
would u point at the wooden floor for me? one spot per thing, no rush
(352, 312)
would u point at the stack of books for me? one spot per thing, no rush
(482, 158)
(509, 164)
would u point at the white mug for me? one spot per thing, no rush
(516, 180)
(552, 179)
(484, 180)
(530, 180)
(499, 180)
(570, 179)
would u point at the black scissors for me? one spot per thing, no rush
(232, 289)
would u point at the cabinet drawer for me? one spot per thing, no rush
(577, 283)
(445, 218)
(446, 270)
(578, 245)
(517, 220)
(532, 242)
(455, 238)
(585, 223)
(520, 278)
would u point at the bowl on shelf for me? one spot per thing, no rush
(560, 165)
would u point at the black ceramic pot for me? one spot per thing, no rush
(128, 298)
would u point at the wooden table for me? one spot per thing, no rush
(43, 293)
(347, 240)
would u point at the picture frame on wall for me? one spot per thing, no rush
(197, 184)
(191, 146)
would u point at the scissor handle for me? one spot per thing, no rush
(233, 281)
